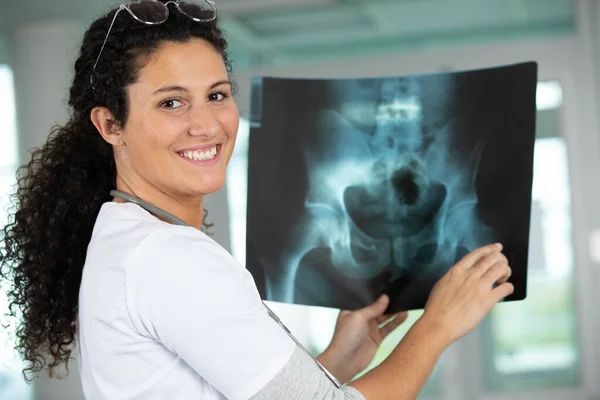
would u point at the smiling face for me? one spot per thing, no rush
(181, 126)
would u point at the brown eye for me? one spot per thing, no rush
(171, 104)
(217, 96)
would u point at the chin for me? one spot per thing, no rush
(210, 187)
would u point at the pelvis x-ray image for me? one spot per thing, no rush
(358, 187)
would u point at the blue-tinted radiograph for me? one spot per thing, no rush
(383, 198)
(359, 187)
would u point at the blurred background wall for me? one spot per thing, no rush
(546, 347)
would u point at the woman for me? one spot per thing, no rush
(157, 308)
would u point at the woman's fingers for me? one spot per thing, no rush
(382, 318)
(501, 291)
(506, 277)
(488, 261)
(476, 255)
(375, 309)
(498, 273)
(462, 297)
(393, 324)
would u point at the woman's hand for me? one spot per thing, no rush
(357, 337)
(468, 291)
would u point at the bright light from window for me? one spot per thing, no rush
(8, 154)
(237, 183)
(12, 384)
(549, 95)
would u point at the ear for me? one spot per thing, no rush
(107, 125)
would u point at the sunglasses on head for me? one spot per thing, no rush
(154, 12)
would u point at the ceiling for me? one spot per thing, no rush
(295, 31)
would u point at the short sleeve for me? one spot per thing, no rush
(188, 293)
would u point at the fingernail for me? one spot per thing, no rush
(499, 245)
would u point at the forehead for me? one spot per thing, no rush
(195, 61)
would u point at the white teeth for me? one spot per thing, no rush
(200, 155)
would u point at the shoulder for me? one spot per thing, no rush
(137, 229)
(173, 258)
(180, 245)
(151, 249)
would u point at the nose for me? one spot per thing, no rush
(203, 122)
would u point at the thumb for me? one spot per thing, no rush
(377, 308)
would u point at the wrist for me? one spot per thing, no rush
(437, 334)
(335, 365)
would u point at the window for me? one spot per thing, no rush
(12, 384)
(546, 353)
(236, 187)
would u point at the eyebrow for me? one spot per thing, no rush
(175, 88)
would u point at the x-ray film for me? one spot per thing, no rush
(358, 187)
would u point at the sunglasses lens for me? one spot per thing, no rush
(202, 11)
(150, 11)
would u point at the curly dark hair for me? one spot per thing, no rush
(60, 191)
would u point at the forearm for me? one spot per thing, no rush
(404, 373)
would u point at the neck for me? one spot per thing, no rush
(190, 210)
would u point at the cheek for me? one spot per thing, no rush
(152, 137)
(230, 120)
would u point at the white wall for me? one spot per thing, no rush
(41, 56)
(553, 53)
(3, 55)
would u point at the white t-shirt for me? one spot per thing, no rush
(167, 313)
